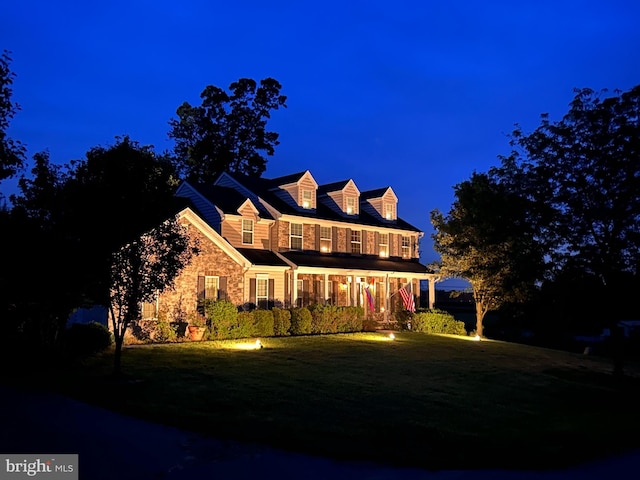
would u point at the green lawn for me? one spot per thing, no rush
(421, 400)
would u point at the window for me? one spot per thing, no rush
(211, 287)
(383, 245)
(406, 247)
(295, 236)
(351, 206)
(356, 241)
(307, 199)
(389, 211)
(262, 291)
(325, 239)
(149, 309)
(247, 232)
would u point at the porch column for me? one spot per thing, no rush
(326, 287)
(387, 299)
(432, 292)
(294, 288)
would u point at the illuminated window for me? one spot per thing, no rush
(295, 236)
(247, 232)
(351, 206)
(389, 211)
(356, 241)
(149, 309)
(262, 290)
(325, 239)
(211, 287)
(307, 199)
(406, 247)
(383, 245)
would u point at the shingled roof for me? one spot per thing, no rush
(263, 188)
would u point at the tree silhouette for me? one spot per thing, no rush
(227, 132)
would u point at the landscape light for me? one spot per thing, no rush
(392, 336)
(258, 344)
(477, 338)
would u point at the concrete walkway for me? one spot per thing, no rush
(116, 447)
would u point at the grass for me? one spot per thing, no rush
(422, 400)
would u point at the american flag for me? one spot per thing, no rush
(407, 297)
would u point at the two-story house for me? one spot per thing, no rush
(288, 241)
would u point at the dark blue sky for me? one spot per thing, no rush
(412, 94)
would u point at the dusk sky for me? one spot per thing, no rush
(413, 94)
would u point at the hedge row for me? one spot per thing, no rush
(225, 322)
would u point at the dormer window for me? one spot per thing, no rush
(307, 199)
(351, 206)
(247, 231)
(389, 211)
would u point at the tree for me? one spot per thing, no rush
(227, 132)
(11, 151)
(582, 174)
(67, 222)
(486, 240)
(109, 199)
(142, 269)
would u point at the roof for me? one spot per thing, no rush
(262, 257)
(263, 188)
(363, 262)
(333, 187)
(227, 199)
(286, 179)
(377, 193)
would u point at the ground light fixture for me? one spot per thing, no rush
(257, 345)
(392, 336)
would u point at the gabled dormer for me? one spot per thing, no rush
(343, 197)
(381, 203)
(298, 190)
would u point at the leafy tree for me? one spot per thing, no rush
(142, 269)
(109, 199)
(486, 240)
(582, 174)
(11, 151)
(67, 222)
(227, 132)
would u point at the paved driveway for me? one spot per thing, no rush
(116, 447)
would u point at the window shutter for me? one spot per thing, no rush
(272, 287)
(376, 240)
(222, 288)
(363, 245)
(252, 290)
(200, 287)
(305, 292)
(317, 237)
(334, 239)
(347, 246)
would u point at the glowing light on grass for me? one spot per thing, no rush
(392, 336)
(257, 345)
(477, 338)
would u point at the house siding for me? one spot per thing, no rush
(211, 260)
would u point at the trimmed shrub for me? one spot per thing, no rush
(324, 318)
(86, 339)
(245, 325)
(351, 319)
(404, 319)
(300, 321)
(221, 318)
(437, 321)
(281, 322)
(263, 323)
